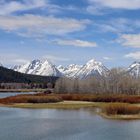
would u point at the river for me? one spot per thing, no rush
(7, 94)
(53, 124)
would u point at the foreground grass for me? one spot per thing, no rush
(121, 108)
(111, 107)
(121, 111)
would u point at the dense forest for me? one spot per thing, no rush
(10, 76)
(117, 81)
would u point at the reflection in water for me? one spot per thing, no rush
(51, 124)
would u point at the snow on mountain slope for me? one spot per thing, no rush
(47, 69)
(38, 67)
(72, 70)
(62, 69)
(69, 71)
(134, 69)
(92, 67)
(28, 67)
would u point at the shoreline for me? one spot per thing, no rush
(74, 105)
(58, 105)
(120, 117)
(21, 90)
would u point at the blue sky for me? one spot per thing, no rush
(70, 31)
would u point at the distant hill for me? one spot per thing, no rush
(10, 76)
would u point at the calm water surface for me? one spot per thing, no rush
(7, 94)
(51, 124)
(45, 124)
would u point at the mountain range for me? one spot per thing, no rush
(38, 67)
(92, 67)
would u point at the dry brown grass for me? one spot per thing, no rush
(43, 98)
(121, 109)
(101, 98)
(31, 99)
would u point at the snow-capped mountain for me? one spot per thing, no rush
(28, 67)
(45, 68)
(91, 68)
(134, 69)
(62, 69)
(69, 71)
(72, 70)
(38, 67)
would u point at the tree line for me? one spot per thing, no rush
(10, 76)
(116, 81)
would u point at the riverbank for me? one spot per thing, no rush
(120, 117)
(75, 105)
(110, 107)
(22, 90)
(59, 105)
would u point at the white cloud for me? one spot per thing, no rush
(95, 10)
(122, 25)
(75, 43)
(19, 61)
(131, 40)
(117, 4)
(106, 58)
(11, 7)
(14, 6)
(134, 55)
(8, 59)
(12, 59)
(41, 25)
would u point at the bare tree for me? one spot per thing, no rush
(117, 81)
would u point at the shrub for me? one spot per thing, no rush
(121, 109)
(31, 99)
(101, 98)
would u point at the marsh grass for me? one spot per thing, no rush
(50, 98)
(31, 99)
(101, 98)
(121, 109)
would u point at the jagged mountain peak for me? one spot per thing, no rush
(92, 67)
(46, 68)
(35, 61)
(134, 69)
(62, 69)
(47, 61)
(134, 64)
(74, 66)
(38, 67)
(70, 70)
(93, 62)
